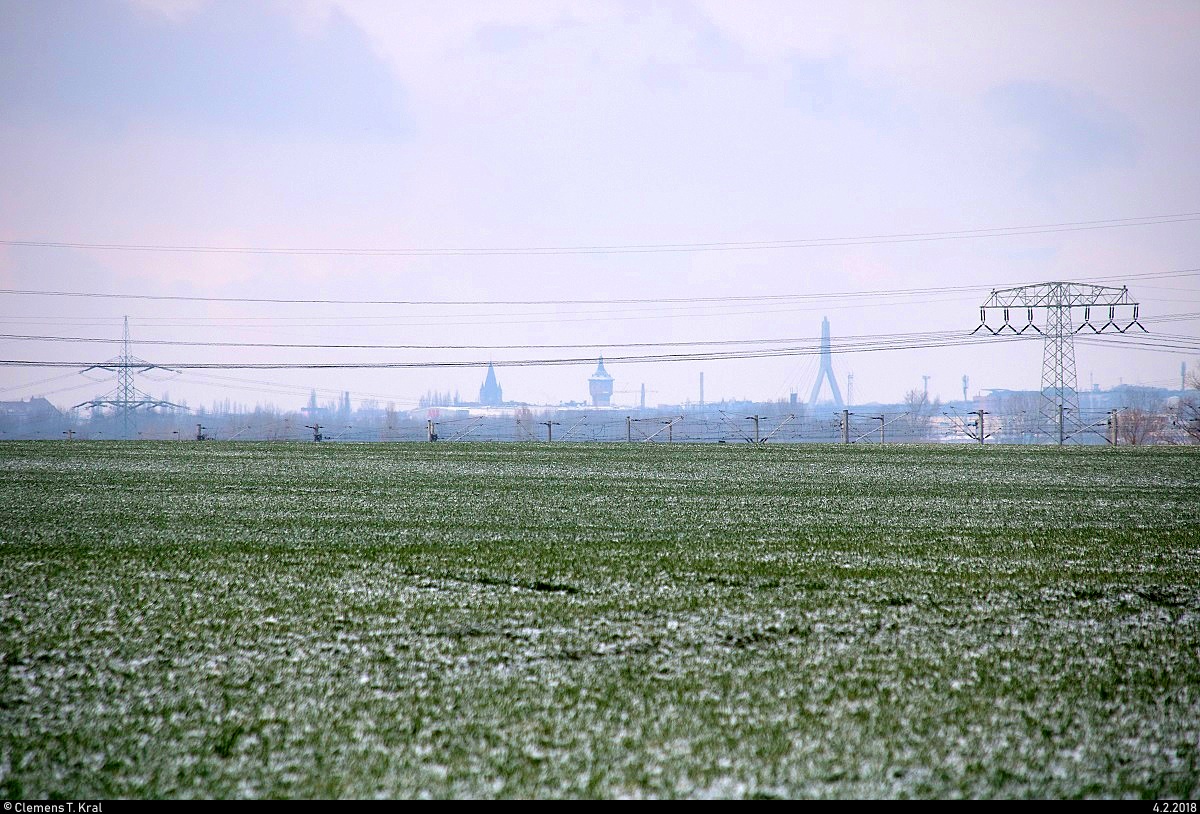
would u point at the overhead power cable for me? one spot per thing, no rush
(635, 248)
(354, 346)
(588, 312)
(1120, 341)
(842, 340)
(285, 389)
(620, 301)
(607, 316)
(761, 298)
(37, 382)
(883, 343)
(849, 344)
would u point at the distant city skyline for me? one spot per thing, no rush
(503, 183)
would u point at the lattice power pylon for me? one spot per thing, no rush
(1060, 398)
(126, 398)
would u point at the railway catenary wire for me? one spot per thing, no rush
(789, 424)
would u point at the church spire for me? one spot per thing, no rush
(490, 393)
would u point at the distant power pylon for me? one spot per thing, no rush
(1060, 396)
(126, 398)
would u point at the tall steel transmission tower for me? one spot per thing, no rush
(126, 398)
(1059, 407)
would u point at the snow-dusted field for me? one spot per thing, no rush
(181, 619)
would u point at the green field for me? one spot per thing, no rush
(224, 619)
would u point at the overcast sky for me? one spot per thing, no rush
(465, 126)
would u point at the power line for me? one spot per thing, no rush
(799, 243)
(1146, 343)
(842, 341)
(850, 344)
(541, 318)
(1146, 275)
(655, 311)
(623, 301)
(37, 382)
(903, 292)
(354, 346)
(284, 389)
(883, 343)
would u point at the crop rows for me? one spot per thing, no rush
(263, 619)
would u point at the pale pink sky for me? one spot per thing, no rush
(478, 125)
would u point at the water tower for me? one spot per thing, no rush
(601, 386)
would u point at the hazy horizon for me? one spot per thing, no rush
(573, 171)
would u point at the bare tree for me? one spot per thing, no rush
(1141, 419)
(1186, 414)
(1136, 427)
(920, 412)
(523, 424)
(1014, 416)
(1185, 420)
